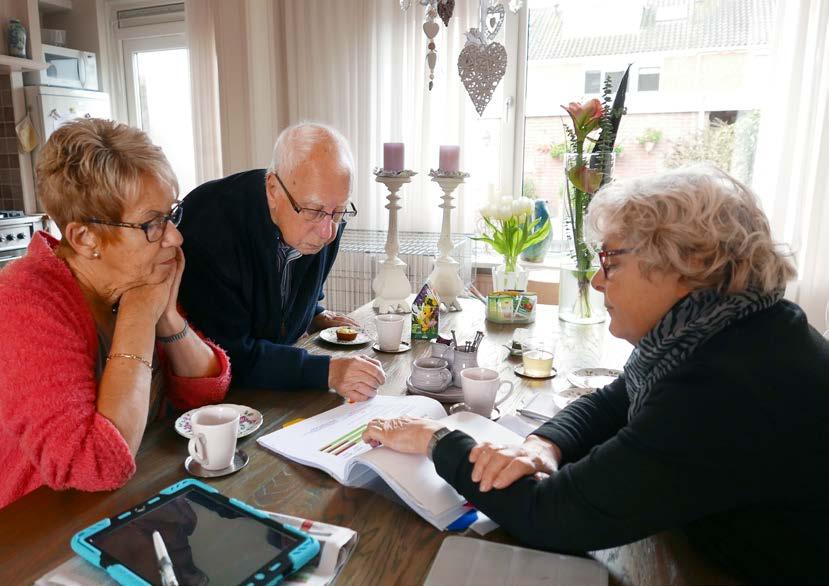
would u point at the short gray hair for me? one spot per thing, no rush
(698, 221)
(297, 143)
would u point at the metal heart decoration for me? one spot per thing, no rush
(445, 10)
(494, 20)
(481, 68)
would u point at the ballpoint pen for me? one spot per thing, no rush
(165, 566)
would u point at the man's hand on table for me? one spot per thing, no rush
(356, 378)
(330, 319)
(499, 466)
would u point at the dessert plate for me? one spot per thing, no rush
(249, 420)
(330, 335)
(593, 378)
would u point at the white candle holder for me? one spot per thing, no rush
(391, 285)
(445, 277)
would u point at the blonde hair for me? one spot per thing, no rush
(92, 168)
(698, 221)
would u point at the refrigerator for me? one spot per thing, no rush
(51, 107)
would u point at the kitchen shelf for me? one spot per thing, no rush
(9, 64)
(49, 6)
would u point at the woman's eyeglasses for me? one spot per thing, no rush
(153, 229)
(315, 215)
(605, 254)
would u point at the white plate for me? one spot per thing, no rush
(330, 335)
(448, 395)
(249, 420)
(593, 378)
(567, 396)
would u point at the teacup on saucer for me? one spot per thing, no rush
(431, 374)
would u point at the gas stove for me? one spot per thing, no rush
(16, 231)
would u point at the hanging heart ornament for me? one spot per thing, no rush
(445, 10)
(494, 20)
(481, 68)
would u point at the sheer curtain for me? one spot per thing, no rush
(360, 66)
(204, 79)
(791, 174)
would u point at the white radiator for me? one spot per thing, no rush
(349, 283)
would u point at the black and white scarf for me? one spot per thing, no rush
(690, 322)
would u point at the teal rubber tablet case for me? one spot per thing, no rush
(86, 543)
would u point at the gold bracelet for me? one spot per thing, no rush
(130, 357)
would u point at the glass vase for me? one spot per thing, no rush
(504, 280)
(583, 175)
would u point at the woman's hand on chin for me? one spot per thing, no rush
(171, 322)
(149, 301)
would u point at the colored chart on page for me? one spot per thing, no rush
(347, 445)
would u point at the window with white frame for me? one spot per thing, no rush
(681, 80)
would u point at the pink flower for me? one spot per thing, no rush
(586, 117)
(584, 179)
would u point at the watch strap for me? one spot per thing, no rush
(436, 437)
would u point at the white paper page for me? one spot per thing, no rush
(416, 474)
(541, 405)
(330, 440)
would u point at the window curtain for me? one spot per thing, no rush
(791, 174)
(361, 67)
(204, 80)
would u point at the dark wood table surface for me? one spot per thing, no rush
(396, 546)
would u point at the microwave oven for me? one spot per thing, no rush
(67, 68)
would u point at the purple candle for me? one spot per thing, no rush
(393, 156)
(450, 155)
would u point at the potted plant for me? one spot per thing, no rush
(588, 166)
(649, 138)
(509, 230)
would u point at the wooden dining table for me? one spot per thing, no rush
(395, 545)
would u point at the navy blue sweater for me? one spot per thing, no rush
(732, 447)
(231, 286)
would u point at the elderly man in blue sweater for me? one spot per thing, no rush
(259, 246)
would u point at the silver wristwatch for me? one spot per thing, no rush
(436, 437)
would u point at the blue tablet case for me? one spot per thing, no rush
(287, 563)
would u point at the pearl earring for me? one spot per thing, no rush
(96, 254)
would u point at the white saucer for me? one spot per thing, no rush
(519, 370)
(495, 415)
(249, 420)
(449, 395)
(404, 347)
(330, 335)
(593, 378)
(240, 460)
(567, 396)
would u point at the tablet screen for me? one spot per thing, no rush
(208, 541)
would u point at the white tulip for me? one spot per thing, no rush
(504, 212)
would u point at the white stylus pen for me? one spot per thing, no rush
(165, 566)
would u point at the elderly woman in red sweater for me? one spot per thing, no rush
(105, 346)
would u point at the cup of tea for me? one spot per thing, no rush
(389, 331)
(214, 436)
(431, 374)
(537, 356)
(480, 389)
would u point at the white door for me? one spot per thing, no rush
(157, 71)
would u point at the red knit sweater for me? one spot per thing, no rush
(50, 430)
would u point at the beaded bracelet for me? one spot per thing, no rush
(174, 337)
(130, 357)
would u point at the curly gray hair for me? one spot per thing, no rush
(698, 221)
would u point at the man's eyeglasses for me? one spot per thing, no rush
(153, 229)
(317, 215)
(605, 254)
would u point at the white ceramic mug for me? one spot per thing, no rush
(480, 388)
(431, 374)
(214, 436)
(389, 331)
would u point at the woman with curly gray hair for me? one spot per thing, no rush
(705, 431)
